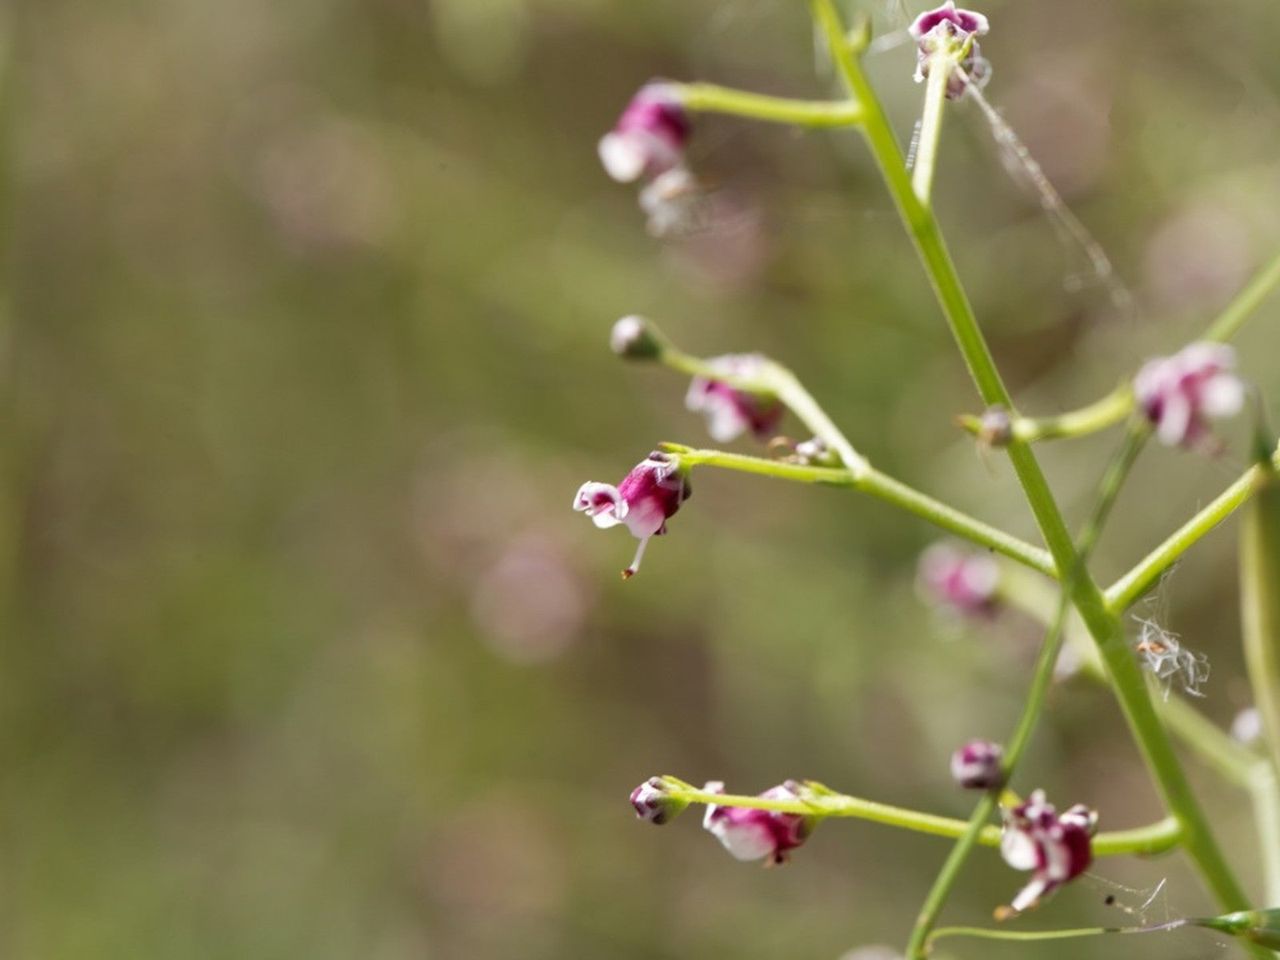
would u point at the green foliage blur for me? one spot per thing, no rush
(305, 342)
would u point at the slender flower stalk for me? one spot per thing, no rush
(822, 802)
(711, 98)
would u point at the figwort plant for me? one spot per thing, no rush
(1174, 399)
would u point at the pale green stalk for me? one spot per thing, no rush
(935, 98)
(881, 486)
(1144, 841)
(710, 98)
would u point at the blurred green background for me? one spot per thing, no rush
(306, 353)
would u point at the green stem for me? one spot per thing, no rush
(1103, 625)
(710, 98)
(883, 487)
(1146, 840)
(935, 98)
(991, 933)
(1126, 591)
(1245, 303)
(1097, 416)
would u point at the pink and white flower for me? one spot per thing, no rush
(730, 411)
(650, 494)
(945, 29)
(1057, 848)
(963, 580)
(758, 834)
(977, 765)
(1180, 394)
(649, 137)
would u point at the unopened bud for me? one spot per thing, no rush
(976, 765)
(632, 337)
(653, 801)
(995, 428)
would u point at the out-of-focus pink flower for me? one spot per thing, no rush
(756, 834)
(976, 765)
(948, 28)
(1056, 848)
(960, 579)
(648, 495)
(649, 137)
(653, 801)
(1180, 394)
(731, 412)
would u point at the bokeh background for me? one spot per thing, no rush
(306, 353)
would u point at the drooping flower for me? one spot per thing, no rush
(653, 801)
(1181, 393)
(649, 137)
(650, 494)
(1055, 847)
(947, 29)
(730, 411)
(963, 580)
(756, 834)
(976, 765)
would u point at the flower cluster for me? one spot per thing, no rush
(947, 30)
(645, 499)
(1056, 847)
(647, 143)
(759, 834)
(1180, 394)
(961, 580)
(729, 411)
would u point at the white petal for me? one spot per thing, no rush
(744, 841)
(1018, 849)
(1031, 894)
(623, 157)
(1222, 396)
(1175, 420)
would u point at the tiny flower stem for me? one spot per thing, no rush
(1097, 416)
(1117, 404)
(1103, 625)
(992, 933)
(711, 98)
(777, 380)
(1146, 840)
(883, 487)
(941, 64)
(1245, 303)
(1126, 591)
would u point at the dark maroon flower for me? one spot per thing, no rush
(1056, 848)
(1179, 394)
(947, 29)
(730, 411)
(976, 765)
(648, 495)
(649, 137)
(754, 834)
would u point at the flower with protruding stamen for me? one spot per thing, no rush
(1180, 394)
(648, 495)
(649, 137)
(962, 580)
(754, 834)
(976, 765)
(730, 411)
(947, 29)
(1057, 848)
(653, 801)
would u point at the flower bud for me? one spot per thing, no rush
(633, 338)
(976, 765)
(995, 428)
(730, 411)
(649, 137)
(653, 801)
(963, 580)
